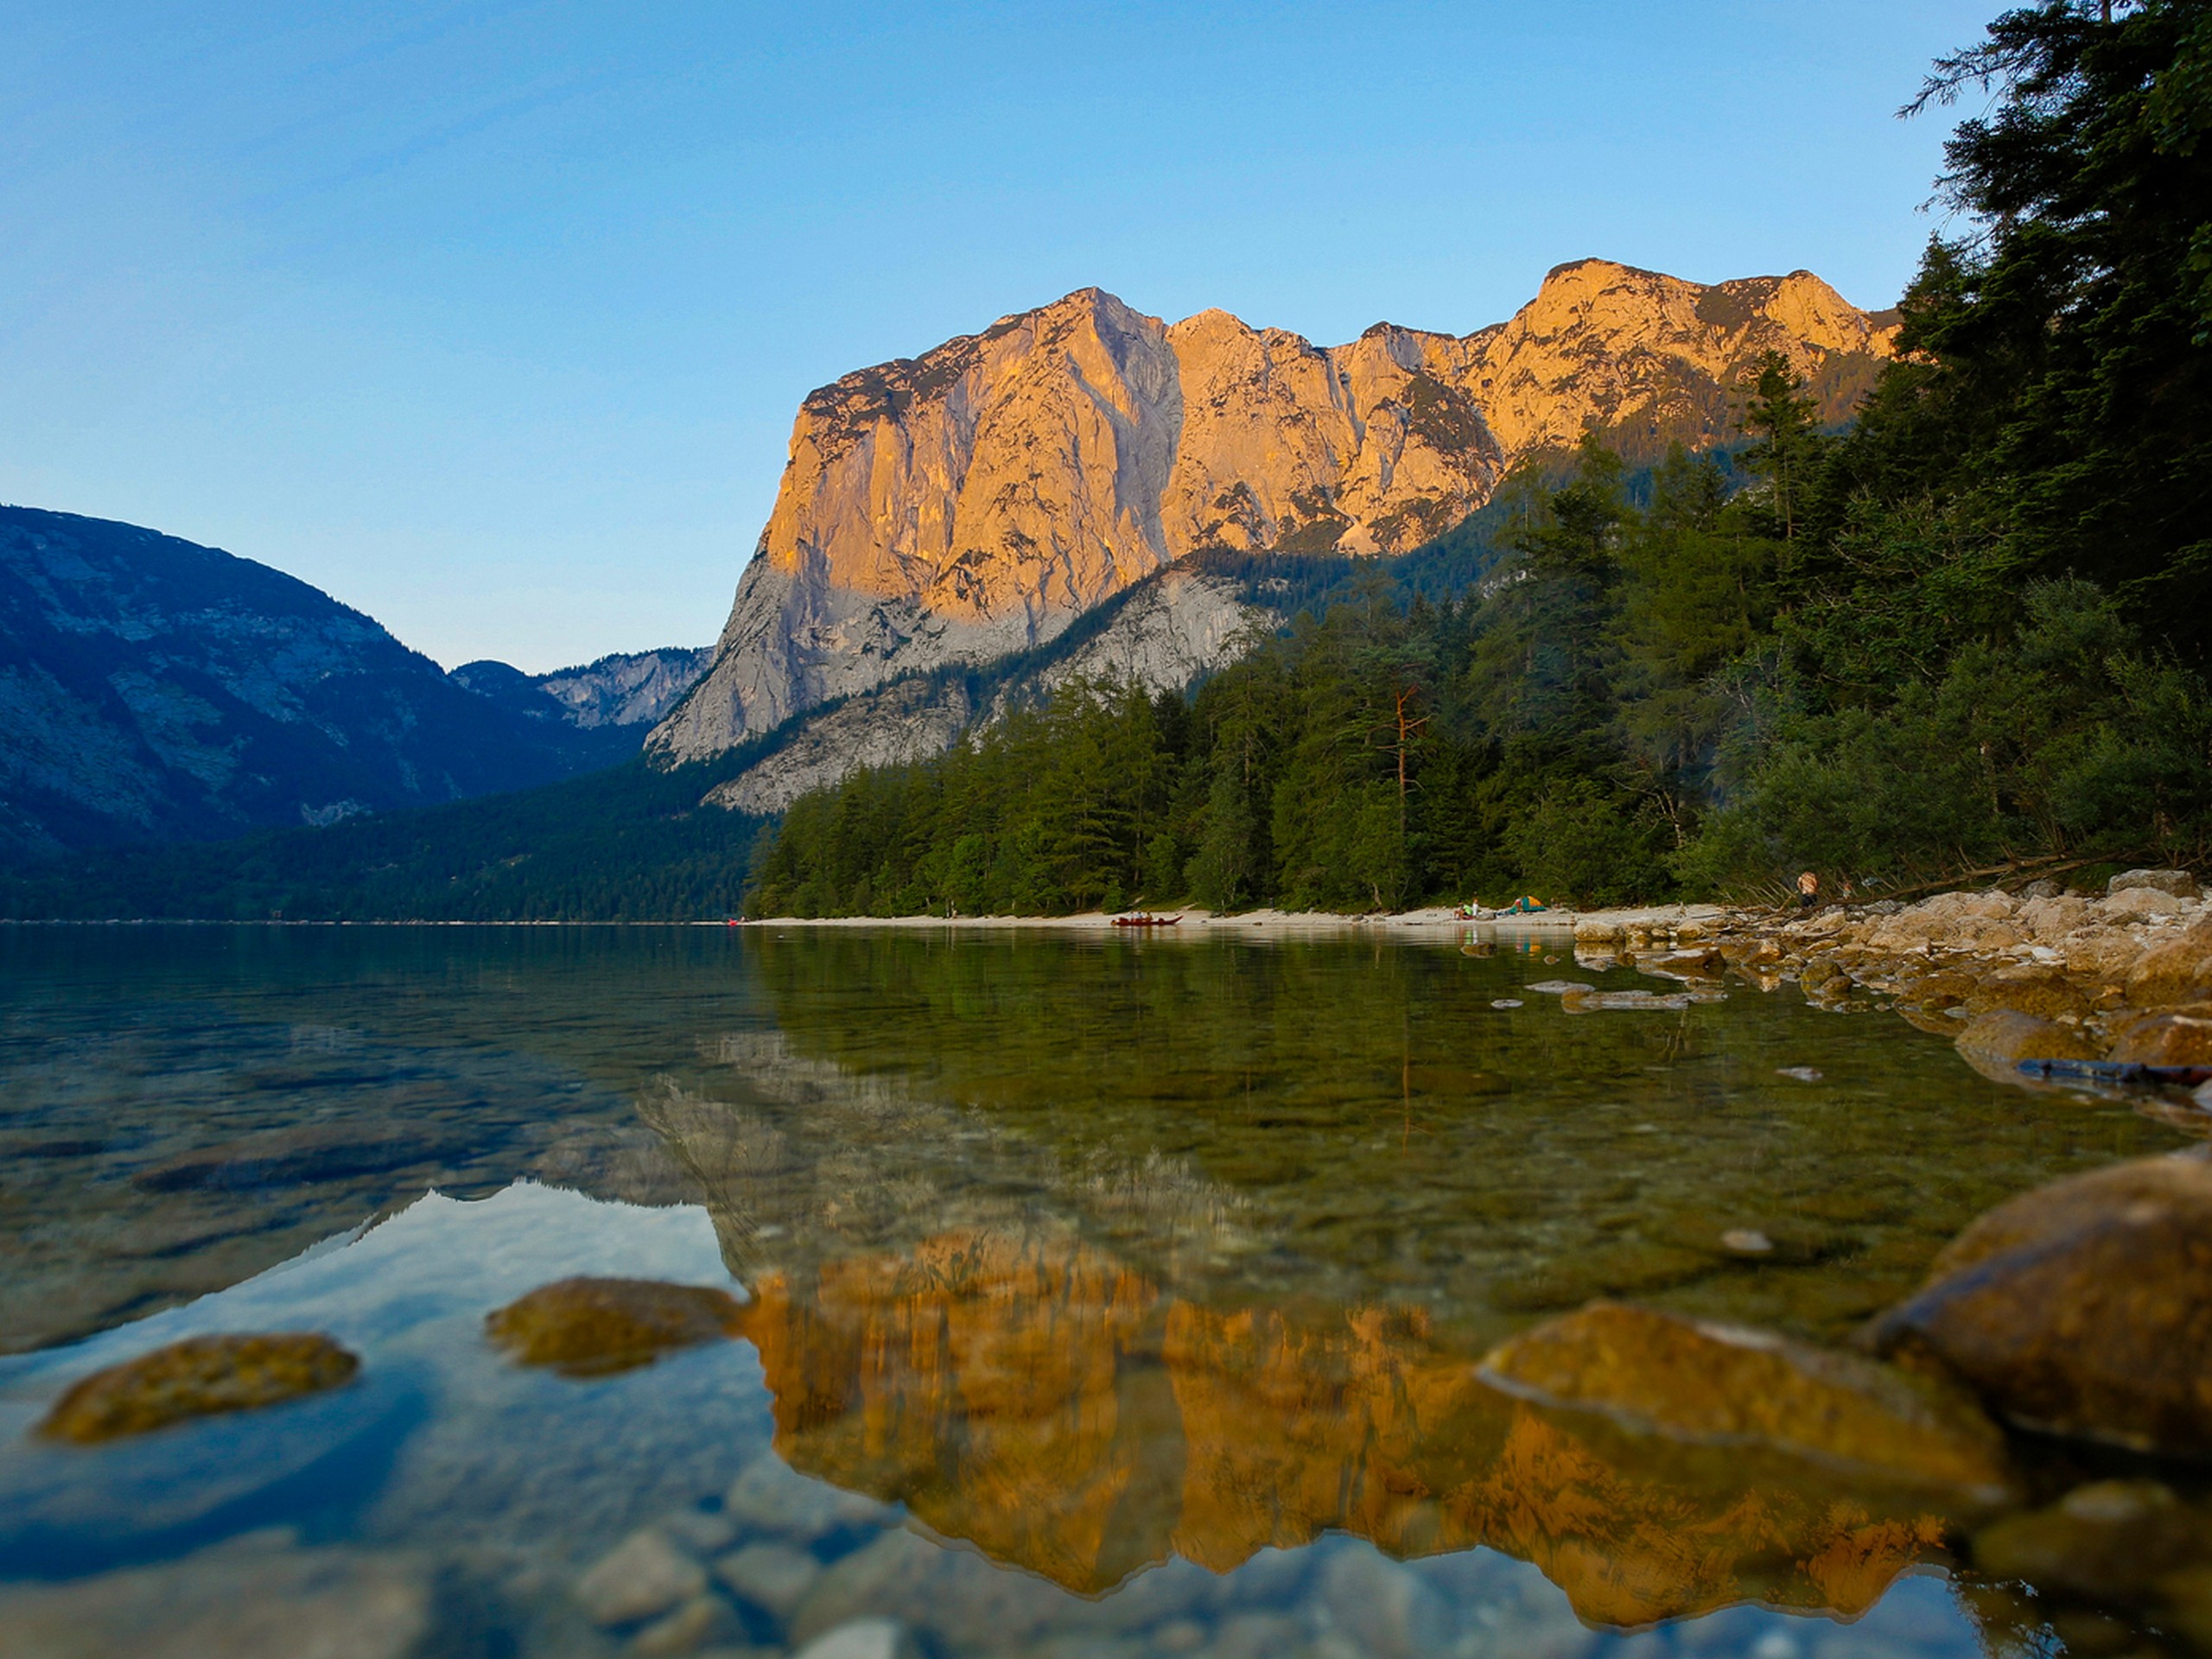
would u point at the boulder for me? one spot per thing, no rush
(2032, 989)
(2100, 952)
(1993, 904)
(589, 1327)
(2180, 883)
(2175, 972)
(1718, 1384)
(2183, 1037)
(2052, 919)
(1995, 1043)
(199, 1377)
(2082, 1309)
(2136, 902)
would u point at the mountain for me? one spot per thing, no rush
(975, 500)
(600, 712)
(154, 689)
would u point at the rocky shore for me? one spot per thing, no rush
(2044, 974)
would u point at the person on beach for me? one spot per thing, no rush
(1808, 890)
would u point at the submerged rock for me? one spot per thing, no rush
(2083, 1308)
(773, 1577)
(644, 1575)
(2112, 1540)
(1698, 1382)
(248, 1598)
(200, 1377)
(863, 1638)
(589, 1327)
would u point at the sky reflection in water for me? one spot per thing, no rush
(1148, 1275)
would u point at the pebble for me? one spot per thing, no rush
(644, 1574)
(1505, 1003)
(1800, 1073)
(773, 1577)
(769, 1496)
(690, 1627)
(1388, 1606)
(1746, 1241)
(231, 1601)
(863, 1638)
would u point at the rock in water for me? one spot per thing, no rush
(246, 1598)
(2083, 1308)
(1698, 1382)
(2181, 1037)
(863, 1638)
(590, 1327)
(1996, 1043)
(644, 1574)
(197, 1377)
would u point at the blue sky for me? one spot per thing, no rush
(490, 318)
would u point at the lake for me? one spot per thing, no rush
(1103, 1295)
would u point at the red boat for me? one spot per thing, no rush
(1141, 919)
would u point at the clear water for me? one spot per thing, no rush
(1106, 1295)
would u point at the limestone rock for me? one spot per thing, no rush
(644, 1575)
(2176, 971)
(2029, 989)
(2083, 1308)
(2098, 951)
(973, 501)
(1995, 1043)
(1163, 633)
(2181, 1037)
(1713, 1384)
(590, 1327)
(200, 1377)
(2180, 883)
(2131, 902)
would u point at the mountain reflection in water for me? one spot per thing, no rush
(1156, 1272)
(1031, 1396)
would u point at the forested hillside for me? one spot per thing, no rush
(1971, 628)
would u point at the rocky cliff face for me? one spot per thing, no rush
(1166, 633)
(599, 714)
(973, 500)
(151, 690)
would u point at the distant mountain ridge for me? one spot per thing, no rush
(973, 501)
(154, 689)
